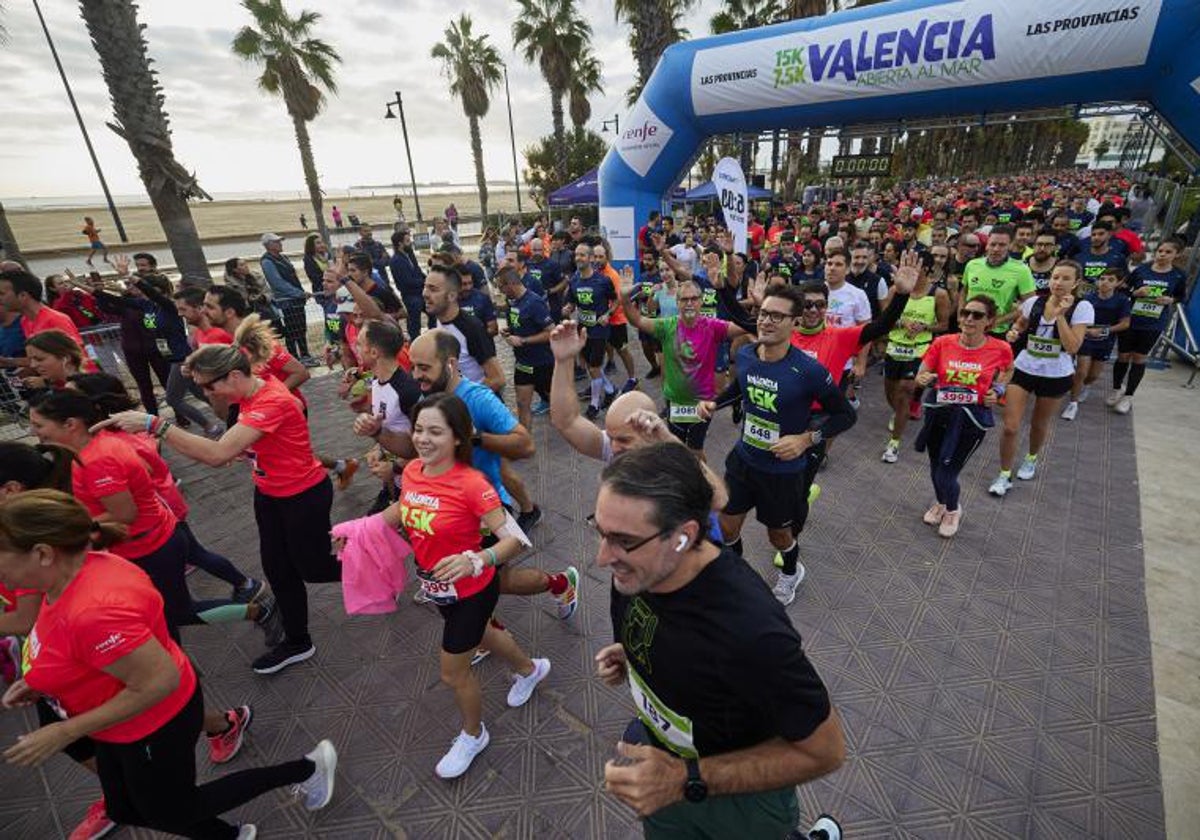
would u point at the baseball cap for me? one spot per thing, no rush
(271, 237)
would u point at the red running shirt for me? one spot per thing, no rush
(211, 335)
(109, 465)
(442, 516)
(282, 459)
(274, 368)
(160, 473)
(832, 347)
(109, 610)
(52, 319)
(973, 369)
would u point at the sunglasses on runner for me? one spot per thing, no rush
(624, 543)
(972, 315)
(815, 304)
(211, 384)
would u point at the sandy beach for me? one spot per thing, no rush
(58, 229)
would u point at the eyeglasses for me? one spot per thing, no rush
(624, 543)
(688, 299)
(815, 304)
(972, 315)
(211, 385)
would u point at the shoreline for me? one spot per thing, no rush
(56, 231)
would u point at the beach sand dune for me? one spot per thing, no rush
(59, 229)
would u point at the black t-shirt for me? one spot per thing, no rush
(476, 347)
(718, 664)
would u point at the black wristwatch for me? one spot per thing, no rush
(695, 789)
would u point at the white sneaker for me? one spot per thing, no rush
(247, 831)
(1072, 409)
(1000, 486)
(934, 515)
(1124, 405)
(891, 452)
(522, 688)
(1085, 393)
(785, 587)
(317, 789)
(462, 753)
(1028, 468)
(1114, 398)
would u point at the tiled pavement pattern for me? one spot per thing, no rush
(997, 685)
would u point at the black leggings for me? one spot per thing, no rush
(165, 566)
(152, 782)
(944, 471)
(294, 545)
(215, 564)
(140, 363)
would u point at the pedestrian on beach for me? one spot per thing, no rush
(94, 244)
(337, 217)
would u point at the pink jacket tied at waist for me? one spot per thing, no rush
(373, 565)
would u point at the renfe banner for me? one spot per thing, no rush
(731, 193)
(973, 42)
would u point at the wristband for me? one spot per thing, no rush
(163, 428)
(491, 559)
(150, 418)
(999, 388)
(476, 563)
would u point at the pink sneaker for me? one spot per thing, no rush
(95, 823)
(223, 747)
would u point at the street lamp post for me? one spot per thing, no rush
(112, 207)
(512, 136)
(615, 122)
(399, 103)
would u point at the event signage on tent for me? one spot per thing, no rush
(730, 184)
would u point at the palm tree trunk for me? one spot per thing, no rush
(304, 144)
(480, 180)
(142, 122)
(8, 240)
(560, 137)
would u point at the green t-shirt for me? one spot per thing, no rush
(1004, 284)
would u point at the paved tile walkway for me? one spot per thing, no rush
(998, 685)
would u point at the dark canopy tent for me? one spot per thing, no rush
(708, 192)
(583, 190)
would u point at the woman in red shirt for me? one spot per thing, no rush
(102, 655)
(292, 492)
(53, 356)
(444, 503)
(966, 374)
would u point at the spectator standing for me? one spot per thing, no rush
(316, 260)
(288, 294)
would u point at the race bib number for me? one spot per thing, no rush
(437, 591)
(587, 318)
(1044, 347)
(957, 396)
(682, 413)
(164, 347)
(902, 352)
(1146, 309)
(673, 730)
(759, 433)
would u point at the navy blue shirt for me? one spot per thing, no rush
(545, 272)
(593, 297)
(530, 315)
(1095, 264)
(1109, 311)
(1152, 317)
(407, 276)
(777, 399)
(478, 304)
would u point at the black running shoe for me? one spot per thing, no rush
(283, 655)
(529, 519)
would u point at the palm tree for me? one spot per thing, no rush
(8, 240)
(655, 25)
(473, 67)
(585, 80)
(551, 33)
(746, 14)
(297, 67)
(142, 122)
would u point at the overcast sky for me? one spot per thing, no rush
(238, 139)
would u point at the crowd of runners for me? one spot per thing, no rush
(971, 299)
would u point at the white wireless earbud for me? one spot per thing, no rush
(682, 542)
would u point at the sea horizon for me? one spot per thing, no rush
(28, 203)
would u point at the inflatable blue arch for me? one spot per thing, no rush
(908, 59)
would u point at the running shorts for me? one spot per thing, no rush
(467, 620)
(618, 335)
(900, 368)
(593, 352)
(538, 377)
(1140, 342)
(778, 499)
(1048, 387)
